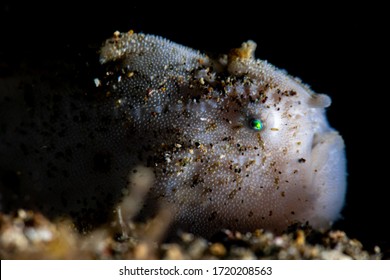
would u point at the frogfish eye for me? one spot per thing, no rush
(256, 124)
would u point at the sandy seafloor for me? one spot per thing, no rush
(334, 50)
(29, 235)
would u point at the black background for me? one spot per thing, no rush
(336, 50)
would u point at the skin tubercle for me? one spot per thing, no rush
(232, 142)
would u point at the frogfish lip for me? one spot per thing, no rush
(328, 166)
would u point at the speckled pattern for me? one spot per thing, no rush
(186, 116)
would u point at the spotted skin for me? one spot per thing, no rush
(233, 142)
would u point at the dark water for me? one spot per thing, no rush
(336, 51)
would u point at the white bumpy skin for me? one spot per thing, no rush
(232, 141)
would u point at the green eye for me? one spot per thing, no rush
(256, 124)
